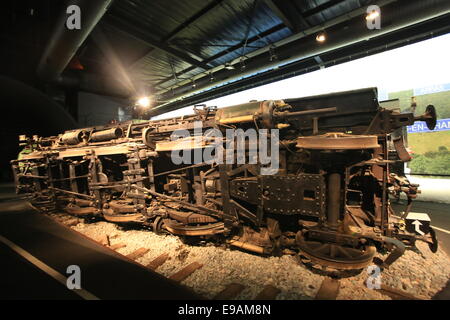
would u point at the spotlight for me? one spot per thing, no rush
(373, 15)
(321, 37)
(243, 66)
(272, 53)
(144, 102)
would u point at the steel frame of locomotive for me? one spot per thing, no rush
(328, 201)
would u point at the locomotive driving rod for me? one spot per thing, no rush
(191, 206)
(396, 253)
(287, 114)
(399, 249)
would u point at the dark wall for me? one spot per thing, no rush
(26, 110)
(25, 27)
(29, 105)
(94, 110)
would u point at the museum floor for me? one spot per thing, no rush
(46, 238)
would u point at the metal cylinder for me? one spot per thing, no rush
(334, 199)
(73, 137)
(211, 185)
(248, 246)
(249, 112)
(239, 113)
(108, 134)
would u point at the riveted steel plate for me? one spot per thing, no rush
(294, 194)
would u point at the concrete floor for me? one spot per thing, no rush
(104, 273)
(7, 192)
(30, 282)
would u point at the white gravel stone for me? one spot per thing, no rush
(420, 273)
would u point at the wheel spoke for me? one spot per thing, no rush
(321, 248)
(345, 252)
(332, 251)
(337, 256)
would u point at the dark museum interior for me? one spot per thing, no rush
(87, 164)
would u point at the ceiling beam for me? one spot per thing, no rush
(137, 33)
(296, 47)
(288, 13)
(182, 26)
(322, 7)
(231, 49)
(419, 32)
(192, 19)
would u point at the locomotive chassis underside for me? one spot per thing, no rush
(328, 200)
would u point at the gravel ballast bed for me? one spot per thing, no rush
(419, 272)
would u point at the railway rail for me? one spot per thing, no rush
(328, 290)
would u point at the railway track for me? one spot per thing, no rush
(329, 289)
(230, 292)
(396, 294)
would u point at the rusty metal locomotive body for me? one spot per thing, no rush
(328, 200)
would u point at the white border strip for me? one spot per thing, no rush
(47, 269)
(442, 230)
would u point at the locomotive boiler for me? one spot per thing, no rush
(320, 189)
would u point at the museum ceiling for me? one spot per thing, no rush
(187, 52)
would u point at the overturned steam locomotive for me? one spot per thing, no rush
(324, 194)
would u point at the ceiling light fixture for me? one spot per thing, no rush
(228, 66)
(373, 15)
(243, 66)
(143, 102)
(321, 37)
(273, 55)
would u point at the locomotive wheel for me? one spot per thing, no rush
(336, 256)
(434, 245)
(157, 225)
